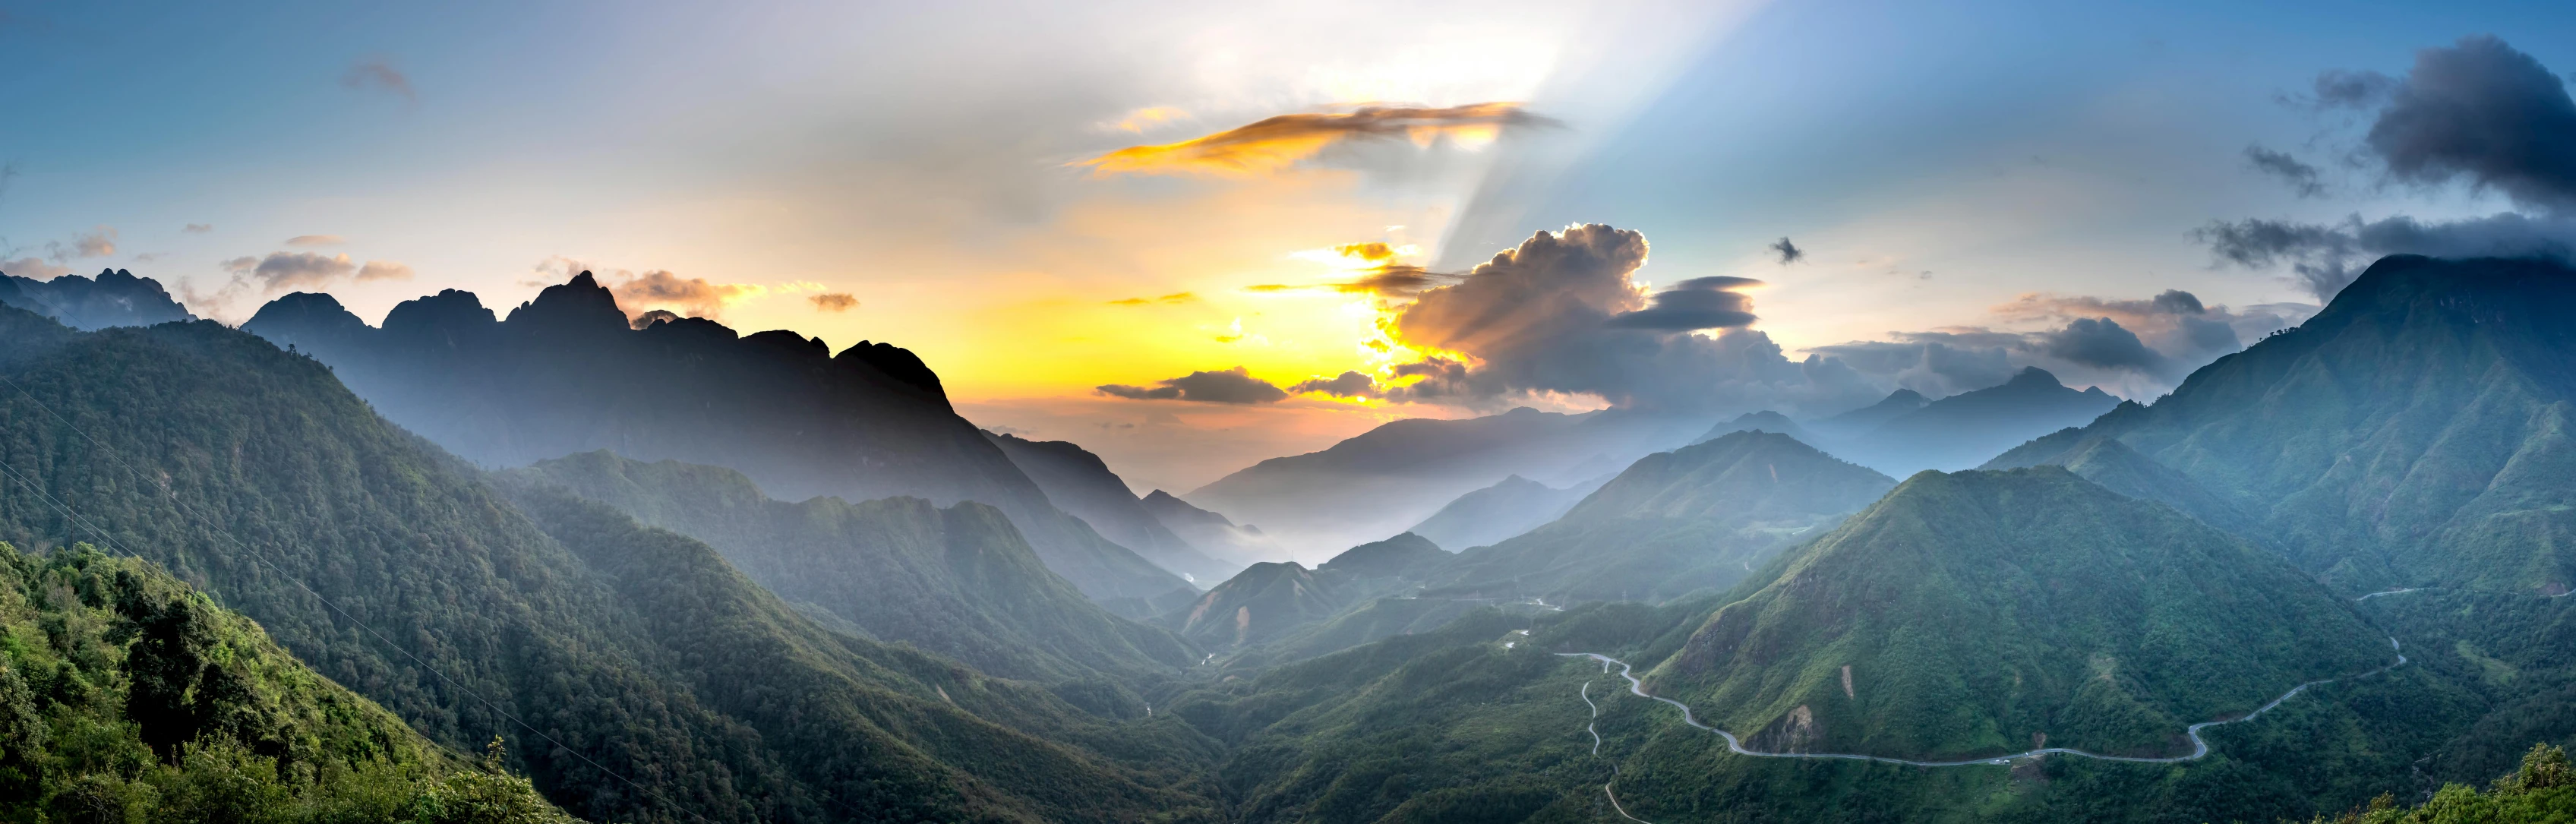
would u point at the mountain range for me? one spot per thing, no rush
(1982, 613)
(475, 606)
(2416, 432)
(567, 372)
(957, 580)
(1395, 476)
(1699, 517)
(1081, 484)
(114, 298)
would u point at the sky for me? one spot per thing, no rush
(1192, 236)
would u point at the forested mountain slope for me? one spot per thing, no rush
(567, 373)
(1982, 613)
(958, 581)
(252, 473)
(127, 696)
(2416, 431)
(1698, 517)
(1078, 482)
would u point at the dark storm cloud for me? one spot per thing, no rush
(2483, 111)
(1344, 385)
(2300, 177)
(2476, 111)
(2326, 257)
(2102, 343)
(1235, 386)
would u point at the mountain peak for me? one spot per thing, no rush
(579, 303)
(2032, 376)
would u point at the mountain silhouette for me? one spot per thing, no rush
(567, 373)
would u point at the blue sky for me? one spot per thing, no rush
(924, 162)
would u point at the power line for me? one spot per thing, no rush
(299, 583)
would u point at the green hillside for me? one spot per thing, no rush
(1262, 602)
(1982, 613)
(127, 696)
(253, 473)
(2417, 431)
(1699, 517)
(958, 581)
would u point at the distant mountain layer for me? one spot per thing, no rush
(1393, 477)
(115, 298)
(402, 572)
(957, 581)
(1211, 532)
(1079, 483)
(1984, 613)
(1965, 430)
(1508, 508)
(567, 373)
(125, 695)
(1698, 517)
(2415, 432)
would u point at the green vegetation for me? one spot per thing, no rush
(127, 696)
(2542, 791)
(1982, 613)
(253, 474)
(1700, 517)
(957, 581)
(2416, 432)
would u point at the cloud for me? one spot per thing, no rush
(384, 270)
(1276, 143)
(2483, 111)
(2326, 257)
(197, 228)
(2138, 347)
(2102, 343)
(97, 242)
(1789, 252)
(2343, 89)
(1234, 386)
(315, 240)
(695, 297)
(2300, 177)
(33, 268)
(2477, 110)
(284, 271)
(1698, 303)
(1562, 314)
(1136, 122)
(377, 75)
(834, 301)
(1344, 385)
(1175, 297)
(303, 271)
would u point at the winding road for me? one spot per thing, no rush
(2199, 746)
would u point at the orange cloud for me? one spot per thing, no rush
(1278, 142)
(834, 301)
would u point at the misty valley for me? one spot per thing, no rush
(1145, 412)
(312, 569)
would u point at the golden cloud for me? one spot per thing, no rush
(1278, 142)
